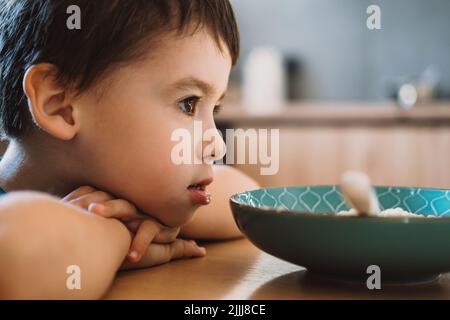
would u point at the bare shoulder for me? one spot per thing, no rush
(40, 216)
(40, 236)
(25, 197)
(25, 202)
(36, 217)
(31, 206)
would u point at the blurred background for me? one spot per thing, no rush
(344, 94)
(333, 55)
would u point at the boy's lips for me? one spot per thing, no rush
(198, 191)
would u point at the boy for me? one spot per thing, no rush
(89, 113)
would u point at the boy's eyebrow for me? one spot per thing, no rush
(192, 82)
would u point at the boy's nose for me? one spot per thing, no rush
(213, 146)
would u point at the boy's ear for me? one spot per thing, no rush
(49, 102)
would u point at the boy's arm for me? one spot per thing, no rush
(40, 237)
(215, 221)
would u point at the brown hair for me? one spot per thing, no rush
(112, 31)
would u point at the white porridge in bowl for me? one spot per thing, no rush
(388, 213)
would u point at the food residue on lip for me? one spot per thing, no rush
(388, 213)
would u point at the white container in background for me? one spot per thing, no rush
(264, 82)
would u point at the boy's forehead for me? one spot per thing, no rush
(206, 87)
(191, 60)
(194, 47)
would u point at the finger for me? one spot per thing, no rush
(95, 197)
(167, 235)
(78, 193)
(133, 225)
(147, 230)
(157, 254)
(117, 208)
(185, 249)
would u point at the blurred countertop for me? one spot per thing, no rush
(339, 113)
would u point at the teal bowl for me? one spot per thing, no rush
(300, 225)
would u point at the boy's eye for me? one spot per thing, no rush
(188, 105)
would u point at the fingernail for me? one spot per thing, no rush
(202, 250)
(133, 255)
(193, 242)
(97, 207)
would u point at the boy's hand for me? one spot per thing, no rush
(158, 243)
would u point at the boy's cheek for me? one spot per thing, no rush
(173, 214)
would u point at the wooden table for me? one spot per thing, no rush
(238, 270)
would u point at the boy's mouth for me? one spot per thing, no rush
(201, 184)
(197, 186)
(198, 191)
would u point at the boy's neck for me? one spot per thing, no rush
(20, 169)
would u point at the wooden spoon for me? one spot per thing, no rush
(359, 194)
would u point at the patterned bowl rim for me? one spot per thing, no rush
(332, 215)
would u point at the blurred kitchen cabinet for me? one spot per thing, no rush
(317, 144)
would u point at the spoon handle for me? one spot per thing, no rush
(358, 192)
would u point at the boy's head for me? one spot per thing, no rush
(104, 100)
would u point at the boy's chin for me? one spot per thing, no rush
(175, 219)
